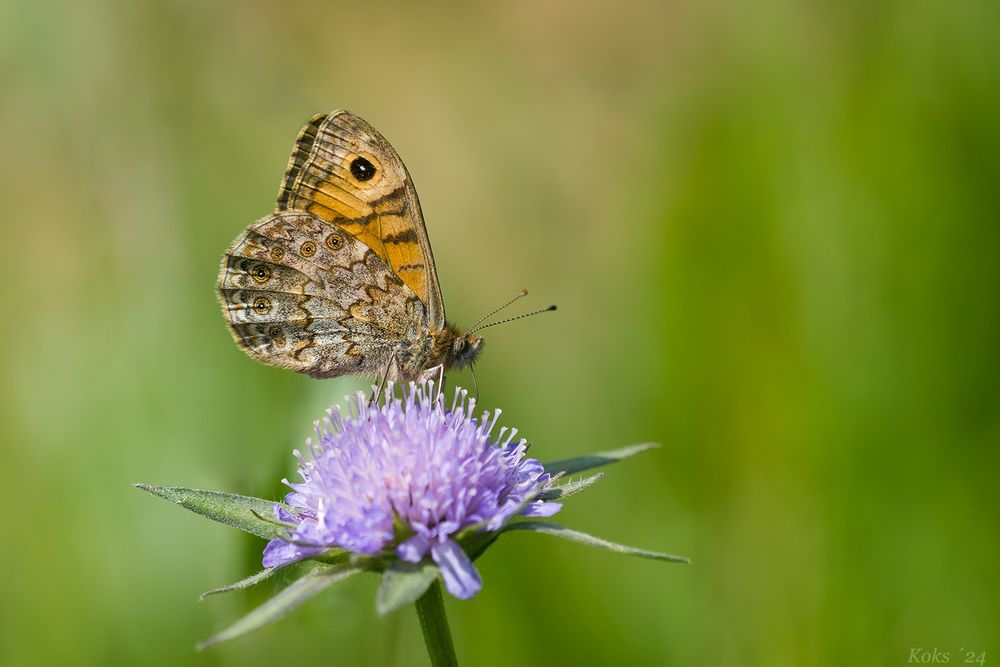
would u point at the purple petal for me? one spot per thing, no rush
(413, 549)
(279, 552)
(459, 574)
(284, 515)
(541, 508)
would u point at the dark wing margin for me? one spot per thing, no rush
(300, 154)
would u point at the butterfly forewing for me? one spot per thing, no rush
(343, 171)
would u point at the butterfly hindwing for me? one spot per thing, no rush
(343, 171)
(299, 293)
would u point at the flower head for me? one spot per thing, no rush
(411, 477)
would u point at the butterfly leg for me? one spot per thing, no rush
(441, 380)
(376, 392)
(435, 377)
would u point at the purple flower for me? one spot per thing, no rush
(411, 477)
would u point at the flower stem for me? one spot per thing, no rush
(434, 623)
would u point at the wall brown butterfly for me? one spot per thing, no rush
(340, 279)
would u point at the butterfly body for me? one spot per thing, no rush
(340, 280)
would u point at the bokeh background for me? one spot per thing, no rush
(773, 231)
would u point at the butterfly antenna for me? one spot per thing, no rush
(487, 316)
(511, 319)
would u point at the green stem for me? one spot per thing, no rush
(434, 623)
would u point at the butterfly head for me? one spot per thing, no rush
(465, 348)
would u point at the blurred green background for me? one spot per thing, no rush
(773, 231)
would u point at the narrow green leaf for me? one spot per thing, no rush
(588, 461)
(281, 604)
(402, 584)
(242, 583)
(583, 538)
(560, 491)
(227, 508)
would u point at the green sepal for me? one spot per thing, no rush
(403, 583)
(289, 599)
(241, 512)
(583, 538)
(560, 491)
(588, 461)
(337, 556)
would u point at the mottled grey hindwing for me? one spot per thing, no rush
(300, 293)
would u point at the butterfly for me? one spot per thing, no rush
(340, 279)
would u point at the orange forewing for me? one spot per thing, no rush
(381, 210)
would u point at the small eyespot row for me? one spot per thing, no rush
(334, 242)
(262, 305)
(308, 249)
(277, 253)
(261, 273)
(278, 338)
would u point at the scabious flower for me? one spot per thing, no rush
(410, 477)
(406, 490)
